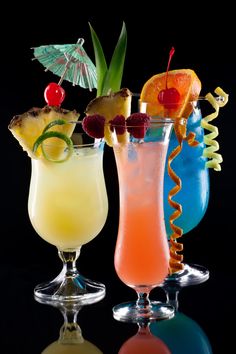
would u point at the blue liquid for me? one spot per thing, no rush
(189, 165)
(182, 335)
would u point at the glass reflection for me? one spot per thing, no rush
(70, 339)
(178, 335)
(144, 342)
(182, 335)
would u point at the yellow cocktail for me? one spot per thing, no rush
(67, 198)
(68, 201)
(68, 207)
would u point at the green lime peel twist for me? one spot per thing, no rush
(54, 134)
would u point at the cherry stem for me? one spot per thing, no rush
(168, 65)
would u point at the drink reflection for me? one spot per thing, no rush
(144, 342)
(182, 335)
(70, 339)
(178, 335)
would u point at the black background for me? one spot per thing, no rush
(204, 42)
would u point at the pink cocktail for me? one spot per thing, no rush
(142, 252)
(141, 235)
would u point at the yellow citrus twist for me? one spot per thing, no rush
(214, 158)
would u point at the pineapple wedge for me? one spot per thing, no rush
(27, 127)
(118, 103)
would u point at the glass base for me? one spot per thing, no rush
(73, 288)
(192, 274)
(130, 312)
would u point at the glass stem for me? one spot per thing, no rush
(172, 297)
(143, 302)
(69, 259)
(70, 332)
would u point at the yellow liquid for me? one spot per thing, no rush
(68, 201)
(82, 348)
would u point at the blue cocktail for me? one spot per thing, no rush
(189, 165)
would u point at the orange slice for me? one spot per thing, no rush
(184, 80)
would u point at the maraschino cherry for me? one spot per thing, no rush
(54, 94)
(169, 97)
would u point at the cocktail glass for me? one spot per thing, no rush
(68, 207)
(190, 167)
(142, 253)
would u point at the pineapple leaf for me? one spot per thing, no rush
(113, 78)
(101, 65)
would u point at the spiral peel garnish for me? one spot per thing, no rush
(176, 259)
(214, 158)
(54, 134)
(175, 247)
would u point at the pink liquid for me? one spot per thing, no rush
(142, 252)
(144, 342)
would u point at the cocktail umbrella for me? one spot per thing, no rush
(68, 61)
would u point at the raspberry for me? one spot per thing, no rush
(94, 126)
(118, 123)
(137, 124)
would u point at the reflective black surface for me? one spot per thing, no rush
(27, 326)
(205, 313)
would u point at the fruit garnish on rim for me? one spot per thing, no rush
(118, 124)
(49, 148)
(54, 94)
(137, 124)
(109, 106)
(50, 123)
(212, 146)
(94, 125)
(170, 93)
(169, 97)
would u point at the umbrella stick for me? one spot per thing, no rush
(67, 66)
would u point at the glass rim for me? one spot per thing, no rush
(199, 99)
(93, 144)
(154, 120)
(175, 105)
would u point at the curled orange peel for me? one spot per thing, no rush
(176, 259)
(214, 158)
(175, 247)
